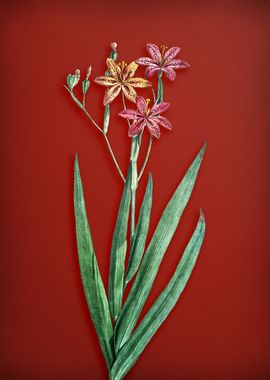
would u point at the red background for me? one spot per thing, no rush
(220, 327)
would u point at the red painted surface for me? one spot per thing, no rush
(220, 327)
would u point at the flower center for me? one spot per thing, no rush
(122, 66)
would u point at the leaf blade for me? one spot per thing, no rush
(155, 253)
(162, 307)
(92, 282)
(118, 251)
(141, 231)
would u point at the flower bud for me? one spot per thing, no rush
(114, 55)
(113, 45)
(85, 85)
(73, 79)
(88, 72)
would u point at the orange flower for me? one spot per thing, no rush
(121, 79)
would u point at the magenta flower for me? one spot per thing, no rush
(146, 117)
(162, 60)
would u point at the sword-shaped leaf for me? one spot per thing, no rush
(154, 254)
(91, 279)
(141, 231)
(133, 348)
(118, 252)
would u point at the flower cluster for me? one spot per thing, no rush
(120, 79)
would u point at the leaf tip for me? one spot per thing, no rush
(76, 162)
(203, 149)
(202, 217)
(150, 178)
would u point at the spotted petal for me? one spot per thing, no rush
(164, 122)
(169, 72)
(129, 92)
(136, 128)
(111, 94)
(153, 128)
(144, 61)
(130, 70)
(159, 108)
(106, 81)
(154, 52)
(177, 64)
(171, 53)
(113, 68)
(150, 71)
(129, 114)
(138, 82)
(141, 105)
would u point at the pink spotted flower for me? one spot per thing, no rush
(147, 117)
(162, 59)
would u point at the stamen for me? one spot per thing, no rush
(147, 104)
(163, 48)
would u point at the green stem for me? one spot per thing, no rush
(100, 130)
(134, 151)
(146, 157)
(160, 88)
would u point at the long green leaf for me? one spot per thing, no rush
(131, 351)
(118, 252)
(91, 279)
(154, 254)
(141, 231)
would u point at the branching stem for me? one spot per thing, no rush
(79, 104)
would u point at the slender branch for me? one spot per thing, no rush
(100, 130)
(113, 157)
(146, 157)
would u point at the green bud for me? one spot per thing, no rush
(114, 55)
(85, 85)
(73, 79)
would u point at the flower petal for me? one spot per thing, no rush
(113, 68)
(111, 94)
(154, 52)
(171, 53)
(144, 61)
(138, 82)
(129, 92)
(164, 122)
(130, 70)
(136, 128)
(177, 64)
(150, 71)
(153, 128)
(159, 108)
(141, 105)
(129, 114)
(169, 72)
(106, 81)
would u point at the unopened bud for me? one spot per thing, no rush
(85, 86)
(114, 55)
(77, 73)
(88, 72)
(73, 79)
(113, 45)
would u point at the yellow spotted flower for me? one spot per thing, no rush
(120, 78)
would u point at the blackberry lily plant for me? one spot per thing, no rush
(121, 340)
